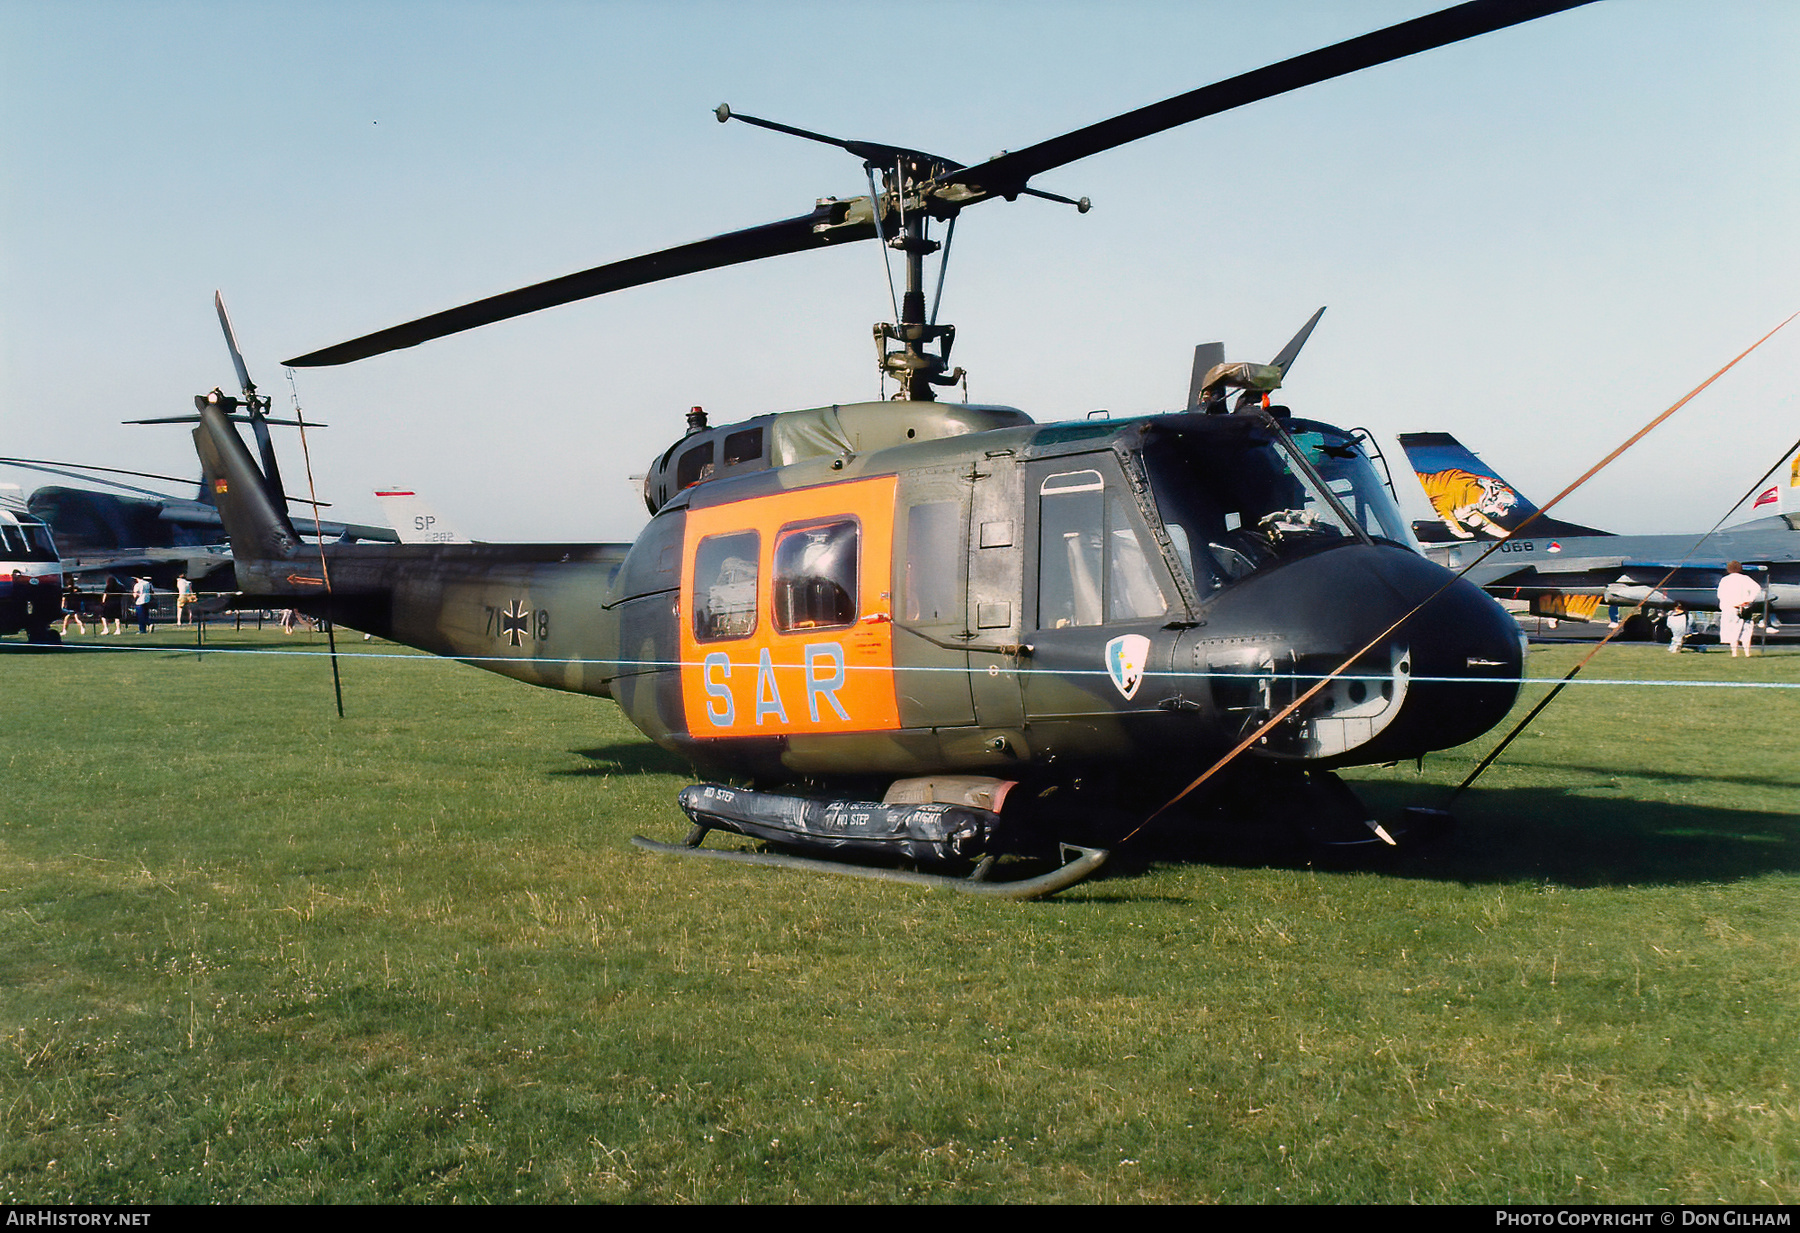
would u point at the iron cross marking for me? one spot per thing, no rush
(515, 622)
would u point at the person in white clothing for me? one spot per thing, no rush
(1737, 591)
(1678, 628)
(143, 597)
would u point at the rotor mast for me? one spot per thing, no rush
(900, 217)
(917, 370)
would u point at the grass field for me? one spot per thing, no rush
(252, 952)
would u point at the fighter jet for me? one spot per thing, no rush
(1555, 565)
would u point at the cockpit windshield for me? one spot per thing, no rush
(26, 541)
(1340, 461)
(1235, 499)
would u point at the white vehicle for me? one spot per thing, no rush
(30, 576)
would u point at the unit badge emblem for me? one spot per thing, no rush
(1125, 659)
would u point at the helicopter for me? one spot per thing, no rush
(930, 632)
(150, 533)
(135, 530)
(30, 573)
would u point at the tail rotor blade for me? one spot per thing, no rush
(256, 407)
(266, 448)
(237, 358)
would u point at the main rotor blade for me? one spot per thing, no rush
(235, 417)
(237, 359)
(1007, 174)
(790, 235)
(1004, 176)
(1285, 360)
(53, 467)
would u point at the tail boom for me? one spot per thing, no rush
(530, 611)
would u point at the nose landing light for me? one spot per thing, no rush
(1350, 711)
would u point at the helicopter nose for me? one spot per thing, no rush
(1441, 676)
(1467, 657)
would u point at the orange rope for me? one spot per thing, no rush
(337, 685)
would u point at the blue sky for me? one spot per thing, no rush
(1536, 240)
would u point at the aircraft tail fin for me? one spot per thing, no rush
(414, 521)
(254, 515)
(1469, 497)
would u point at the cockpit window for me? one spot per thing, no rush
(1132, 591)
(1071, 507)
(1091, 563)
(1346, 470)
(26, 541)
(1235, 500)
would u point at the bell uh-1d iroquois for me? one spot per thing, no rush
(913, 626)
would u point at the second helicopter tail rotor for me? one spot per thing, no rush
(255, 405)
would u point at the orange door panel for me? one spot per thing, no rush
(787, 613)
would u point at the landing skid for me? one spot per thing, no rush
(1079, 864)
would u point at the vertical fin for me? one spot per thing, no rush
(414, 521)
(254, 518)
(1470, 498)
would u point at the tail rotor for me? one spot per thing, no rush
(255, 405)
